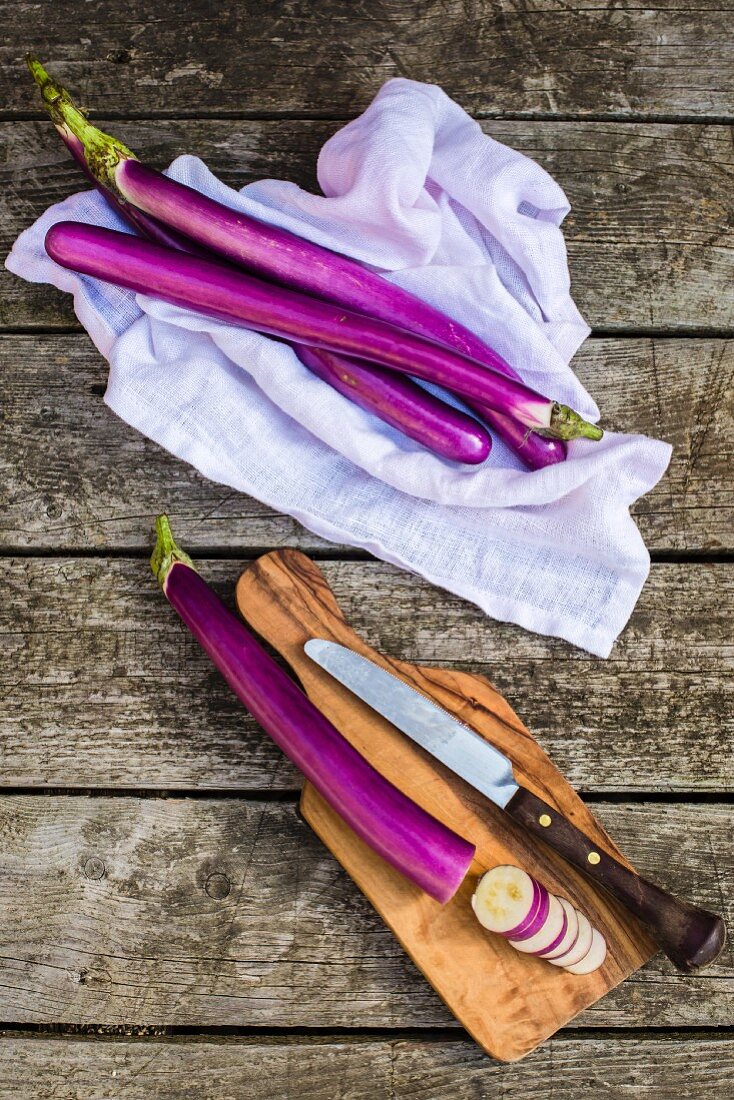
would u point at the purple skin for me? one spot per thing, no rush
(532, 912)
(143, 223)
(277, 254)
(103, 155)
(552, 946)
(535, 450)
(402, 404)
(396, 400)
(539, 918)
(217, 290)
(554, 953)
(421, 848)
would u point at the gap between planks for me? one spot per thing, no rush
(282, 1035)
(233, 553)
(292, 795)
(202, 115)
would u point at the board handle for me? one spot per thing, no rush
(692, 938)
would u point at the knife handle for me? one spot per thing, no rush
(691, 938)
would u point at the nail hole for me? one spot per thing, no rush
(94, 868)
(217, 886)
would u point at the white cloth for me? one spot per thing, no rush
(415, 189)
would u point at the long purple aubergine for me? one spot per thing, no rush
(218, 290)
(423, 849)
(403, 404)
(140, 221)
(278, 254)
(396, 400)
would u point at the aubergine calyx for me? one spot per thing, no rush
(566, 424)
(166, 551)
(102, 151)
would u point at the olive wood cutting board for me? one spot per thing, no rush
(507, 1001)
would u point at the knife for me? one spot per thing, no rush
(690, 937)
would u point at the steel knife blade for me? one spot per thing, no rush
(691, 937)
(457, 746)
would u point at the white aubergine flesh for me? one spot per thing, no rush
(581, 946)
(548, 935)
(570, 935)
(593, 958)
(511, 903)
(505, 899)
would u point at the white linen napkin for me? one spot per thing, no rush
(416, 190)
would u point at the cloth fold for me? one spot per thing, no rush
(416, 190)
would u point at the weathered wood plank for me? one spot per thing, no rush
(650, 242)
(566, 1068)
(75, 477)
(102, 685)
(494, 56)
(231, 913)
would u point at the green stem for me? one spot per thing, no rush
(567, 424)
(102, 152)
(166, 552)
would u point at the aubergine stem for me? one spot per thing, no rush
(166, 551)
(102, 151)
(566, 423)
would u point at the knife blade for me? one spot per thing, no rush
(691, 937)
(438, 732)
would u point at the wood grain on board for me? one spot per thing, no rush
(230, 912)
(102, 685)
(649, 235)
(287, 600)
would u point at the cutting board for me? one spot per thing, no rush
(507, 1001)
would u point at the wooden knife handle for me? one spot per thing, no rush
(691, 938)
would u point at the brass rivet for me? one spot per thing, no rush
(594, 857)
(545, 820)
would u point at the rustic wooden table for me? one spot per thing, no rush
(169, 925)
